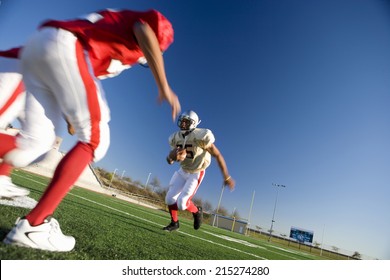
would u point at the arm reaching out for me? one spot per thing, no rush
(228, 180)
(148, 43)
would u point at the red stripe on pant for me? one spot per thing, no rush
(92, 96)
(15, 94)
(190, 205)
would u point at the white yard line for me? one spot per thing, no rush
(160, 225)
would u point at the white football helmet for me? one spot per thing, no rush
(188, 120)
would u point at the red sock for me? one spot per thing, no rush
(7, 143)
(191, 207)
(66, 174)
(5, 169)
(173, 211)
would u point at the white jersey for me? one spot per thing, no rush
(195, 143)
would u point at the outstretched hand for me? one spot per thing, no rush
(173, 101)
(70, 127)
(230, 183)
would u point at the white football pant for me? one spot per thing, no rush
(183, 187)
(59, 82)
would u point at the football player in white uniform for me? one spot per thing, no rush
(193, 147)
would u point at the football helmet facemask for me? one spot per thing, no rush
(188, 120)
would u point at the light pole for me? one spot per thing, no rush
(234, 211)
(147, 180)
(322, 240)
(123, 172)
(219, 203)
(250, 213)
(234, 218)
(112, 178)
(273, 215)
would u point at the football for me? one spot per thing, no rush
(178, 154)
(181, 154)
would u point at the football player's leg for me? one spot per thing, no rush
(12, 102)
(7, 188)
(193, 182)
(37, 135)
(185, 199)
(82, 102)
(35, 139)
(65, 175)
(8, 143)
(41, 62)
(12, 94)
(12, 98)
(176, 185)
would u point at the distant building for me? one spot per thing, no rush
(229, 223)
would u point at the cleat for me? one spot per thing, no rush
(198, 217)
(47, 236)
(172, 226)
(10, 190)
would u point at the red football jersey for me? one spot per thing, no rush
(108, 36)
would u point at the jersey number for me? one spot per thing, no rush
(189, 150)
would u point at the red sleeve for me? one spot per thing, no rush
(11, 53)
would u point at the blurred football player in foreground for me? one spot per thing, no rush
(60, 65)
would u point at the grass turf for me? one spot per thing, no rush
(107, 228)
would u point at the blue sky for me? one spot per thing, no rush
(296, 92)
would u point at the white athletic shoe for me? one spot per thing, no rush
(47, 236)
(10, 190)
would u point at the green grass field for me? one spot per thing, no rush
(107, 228)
